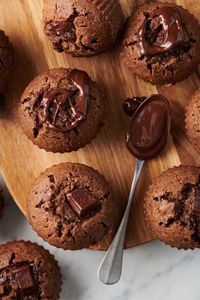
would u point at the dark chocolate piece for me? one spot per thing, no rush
(62, 111)
(150, 128)
(82, 202)
(166, 34)
(22, 276)
(131, 104)
(196, 208)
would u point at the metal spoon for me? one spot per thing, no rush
(110, 269)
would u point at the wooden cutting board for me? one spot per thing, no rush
(21, 162)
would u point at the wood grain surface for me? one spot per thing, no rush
(21, 162)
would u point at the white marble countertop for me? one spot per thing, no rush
(151, 271)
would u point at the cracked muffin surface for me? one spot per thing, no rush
(192, 120)
(172, 207)
(6, 61)
(82, 28)
(28, 272)
(68, 220)
(59, 114)
(161, 67)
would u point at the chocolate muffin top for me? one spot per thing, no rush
(70, 206)
(61, 110)
(6, 59)
(82, 28)
(172, 207)
(28, 272)
(161, 43)
(2, 203)
(193, 120)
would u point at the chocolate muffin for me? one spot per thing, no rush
(172, 207)
(61, 110)
(2, 203)
(82, 28)
(71, 207)
(193, 122)
(6, 59)
(28, 272)
(161, 43)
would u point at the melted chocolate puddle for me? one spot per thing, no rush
(162, 31)
(150, 127)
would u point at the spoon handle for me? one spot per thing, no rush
(110, 269)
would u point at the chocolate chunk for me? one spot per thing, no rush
(131, 104)
(22, 276)
(162, 31)
(150, 128)
(196, 208)
(83, 203)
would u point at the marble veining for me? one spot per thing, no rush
(151, 271)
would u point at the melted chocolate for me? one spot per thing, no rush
(150, 128)
(83, 203)
(63, 111)
(65, 29)
(169, 33)
(131, 104)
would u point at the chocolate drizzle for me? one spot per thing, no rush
(150, 128)
(63, 110)
(166, 34)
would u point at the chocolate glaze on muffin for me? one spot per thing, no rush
(82, 28)
(61, 110)
(161, 43)
(71, 207)
(172, 207)
(6, 59)
(193, 120)
(28, 272)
